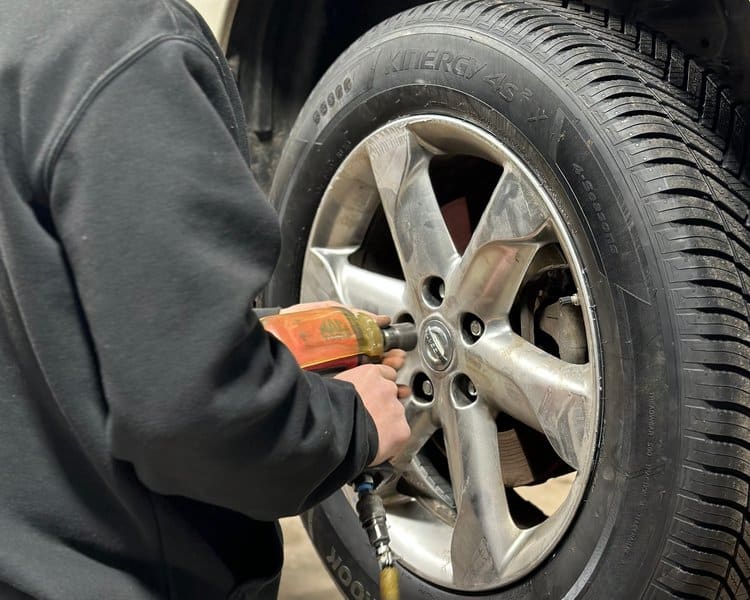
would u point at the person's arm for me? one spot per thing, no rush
(168, 237)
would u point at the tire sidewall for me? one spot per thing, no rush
(616, 539)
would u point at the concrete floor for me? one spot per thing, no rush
(305, 578)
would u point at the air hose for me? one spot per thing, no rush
(372, 517)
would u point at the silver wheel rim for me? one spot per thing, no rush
(461, 534)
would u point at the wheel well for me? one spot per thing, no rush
(279, 49)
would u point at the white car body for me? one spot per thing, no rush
(219, 15)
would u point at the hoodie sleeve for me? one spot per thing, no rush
(168, 238)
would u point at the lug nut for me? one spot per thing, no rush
(476, 328)
(473, 328)
(471, 389)
(424, 391)
(441, 290)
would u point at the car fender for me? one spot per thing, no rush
(219, 15)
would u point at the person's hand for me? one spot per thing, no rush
(395, 359)
(376, 385)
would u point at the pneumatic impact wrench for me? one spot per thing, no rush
(332, 339)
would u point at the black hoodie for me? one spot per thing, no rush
(150, 432)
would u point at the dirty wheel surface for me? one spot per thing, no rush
(483, 280)
(545, 209)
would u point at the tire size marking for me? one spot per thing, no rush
(354, 588)
(434, 60)
(591, 196)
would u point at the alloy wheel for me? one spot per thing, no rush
(508, 351)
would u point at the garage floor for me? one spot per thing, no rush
(305, 578)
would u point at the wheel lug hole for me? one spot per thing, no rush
(472, 328)
(423, 388)
(433, 291)
(465, 392)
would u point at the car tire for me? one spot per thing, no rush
(646, 181)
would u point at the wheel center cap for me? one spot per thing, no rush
(437, 345)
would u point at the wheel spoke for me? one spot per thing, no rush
(423, 422)
(420, 416)
(484, 533)
(489, 279)
(423, 425)
(515, 211)
(401, 169)
(329, 274)
(546, 393)
(513, 227)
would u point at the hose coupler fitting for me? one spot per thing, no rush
(372, 516)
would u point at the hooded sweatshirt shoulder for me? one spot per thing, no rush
(59, 55)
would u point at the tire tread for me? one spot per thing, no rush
(684, 140)
(683, 137)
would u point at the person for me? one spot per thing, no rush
(151, 431)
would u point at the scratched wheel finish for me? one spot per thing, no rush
(461, 536)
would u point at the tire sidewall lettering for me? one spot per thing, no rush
(354, 588)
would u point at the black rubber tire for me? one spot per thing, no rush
(644, 166)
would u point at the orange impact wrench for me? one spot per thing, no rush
(333, 339)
